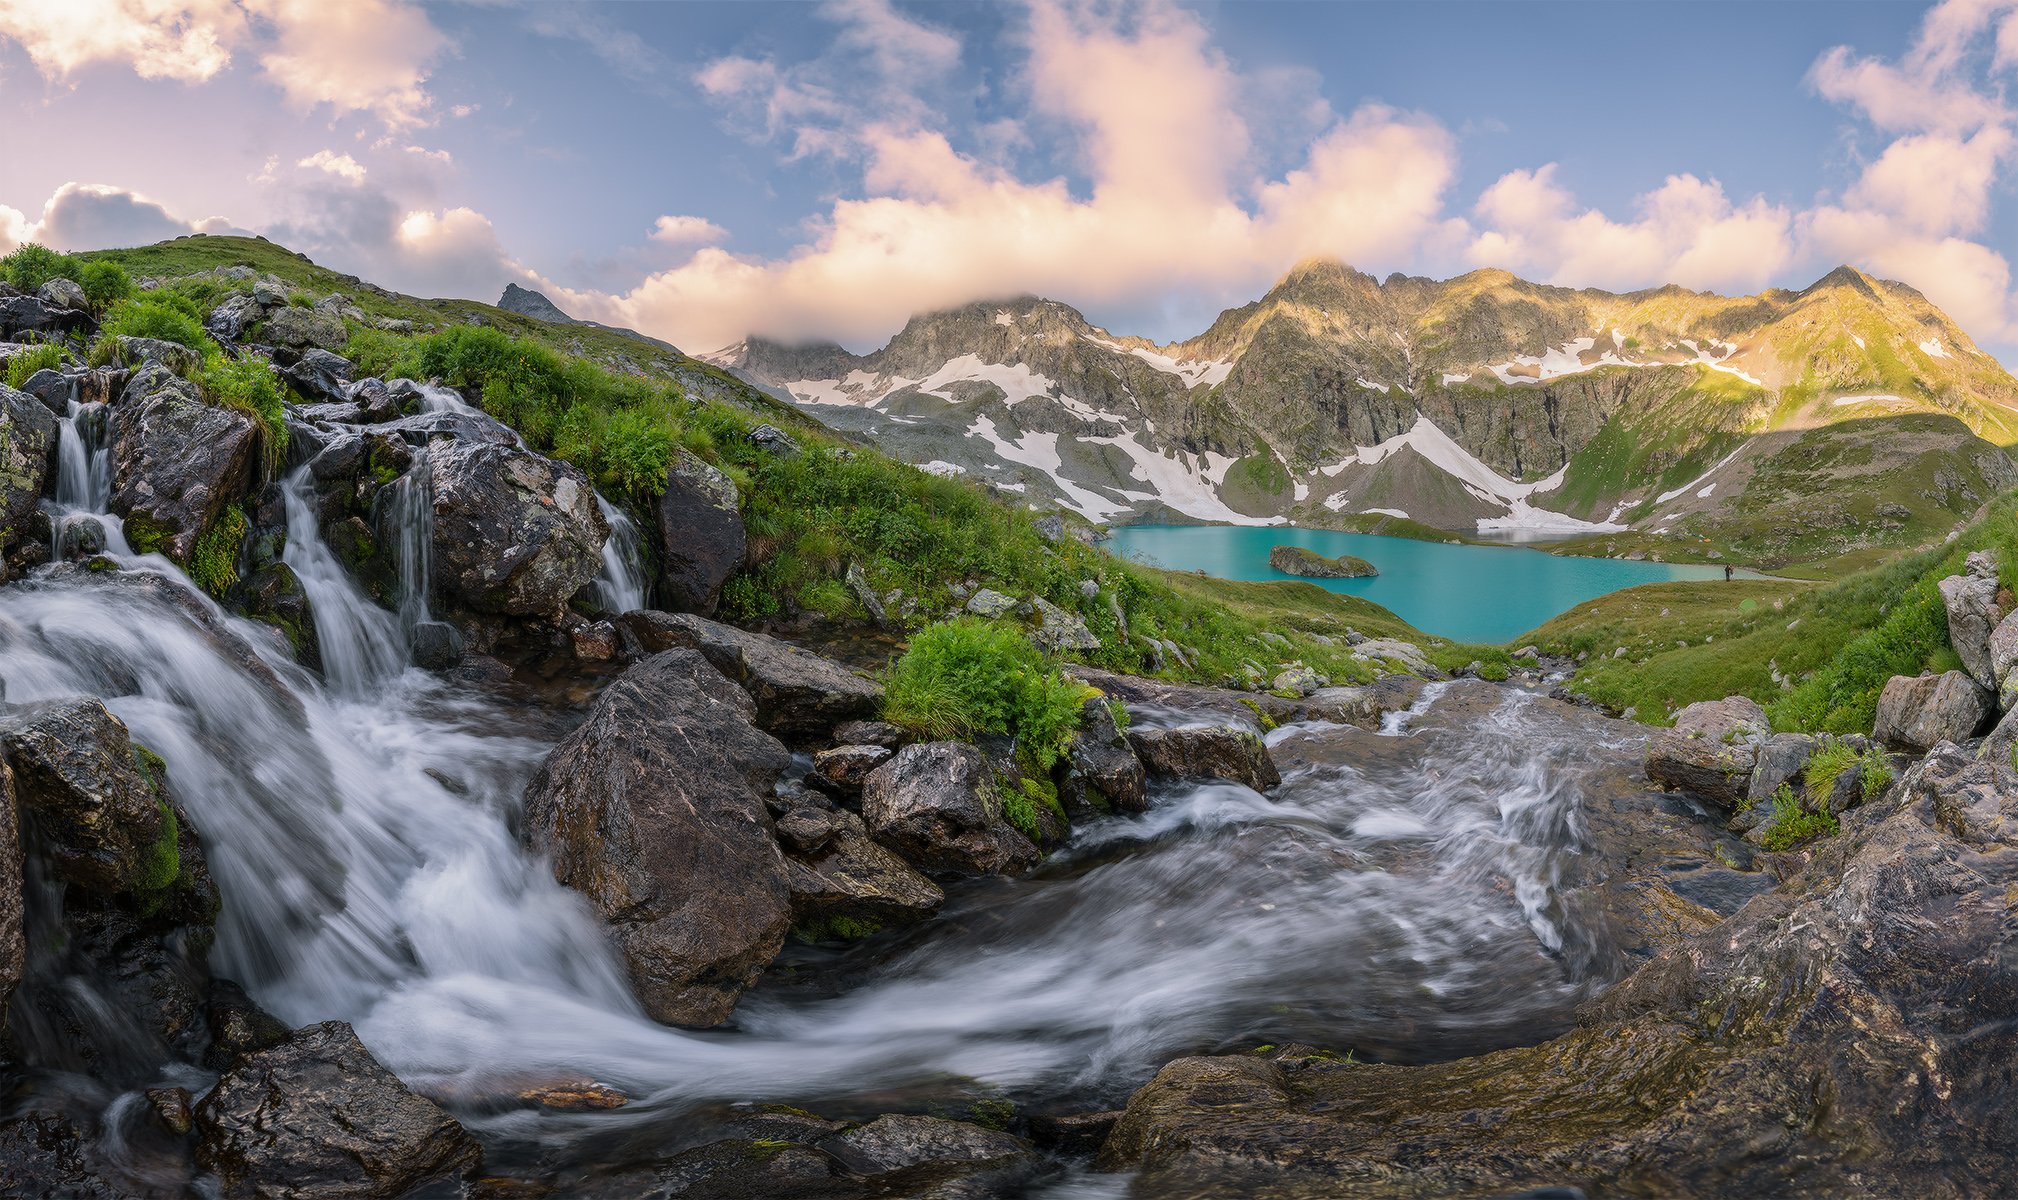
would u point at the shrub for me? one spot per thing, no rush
(105, 283)
(160, 314)
(32, 265)
(41, 358)
(1833, 757)
(1790, 824)
(967, 678)
(250, 386)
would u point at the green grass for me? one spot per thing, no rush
(249, 385)
(1790, 824)
(213, 564)
(967, 678)
(41, 358)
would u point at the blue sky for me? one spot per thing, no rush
(823, 169)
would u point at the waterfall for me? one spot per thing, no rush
(83, 489)
(406, 523)
(362, 645)
(622, 585)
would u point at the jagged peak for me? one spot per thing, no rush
(1844, 277)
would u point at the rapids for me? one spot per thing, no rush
(1396, 895)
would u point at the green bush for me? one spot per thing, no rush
(160, 314)
(41, 358)
(31, 265)
(968, 678)
(1790, 824)
(213, 564)
(105, 283)
(249, 385)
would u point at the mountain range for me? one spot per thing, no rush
(1772, 428)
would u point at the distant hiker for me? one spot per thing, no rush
(1727, 574)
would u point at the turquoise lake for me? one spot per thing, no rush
(1465, 593)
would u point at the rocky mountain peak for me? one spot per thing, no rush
(529, 303)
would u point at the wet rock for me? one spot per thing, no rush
(171, 1108)
(575, 1096)
(319, 1116)
(273, 594)
(843, 768)
(990, 603)
(136, 352)
(22, 315)
(701, 538)
(654, 810)
(1058, 631)
(1206, 752)
(894, 1143)
(63, 293)
(1074, 1133)
(1100, 768)
(594, 641)
(868, 733)
(176, 461)
(298, 328)
(514, 533)
(46, 1154)
(936, 803)
(77, 781)
(1712, 750)
(1780, 759)
(13, 941)
(1298, 680)
(231, 318)
(2003, 649)
(755, 1168)
(320, 375)
(800, 696)
(773, 440)
(837, 873)
(1918, 713)
(52, 388)
(437, 646)
(237, 1026)
(28, 436)
(1971, 601)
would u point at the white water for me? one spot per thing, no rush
(620, 588)
(360, 834)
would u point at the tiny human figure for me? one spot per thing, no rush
(1727, 574)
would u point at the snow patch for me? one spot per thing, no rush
(1040, 450)
(1524, 518)
(1450, 377)
(1002, 317)
(1210, 372)
(941, 467)
(1699, 480)
(1185, 482)
(1840, 401)
(1387, 512)
(857, 389)
(1934, 348)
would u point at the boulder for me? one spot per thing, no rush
(136, 352)
(868, 733)
(230, 319)
(1780, 760)
(28, 437)
(176, 461)
(23, 315)
(990, 603)
(269, 292)
(1057, 630)
(52, 388)
(836, 872)
(896, 1142)
(1206, 752)
(1407, 655)
(320, 375)
(1971, 600)
(1100, 769)
(2004, 658)
(1296, 680)
(936, 803)
(701, 541)
(63, 293)
(773, 440)
(1712, 751)
(654, 809)
(800, 696)
(843, 768)
(318, 1116)
(299, 328)
(77, 781)
(514, 533)
(1918, 713)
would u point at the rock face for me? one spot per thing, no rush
(1971, 600)
(76, 777)
(654, 810)
(895, 1142)
(1206, 752)
(176, 461)
(1100, 768)
(1918, 713)
(701, 539)
(302, 327)
(1810, 1047)
(837, 873)
(27, 458)
(799, 695)
(1712, 750)
(1296, 560)
(318, 1116)
(13, 942)
(936, 804)
(514, 533)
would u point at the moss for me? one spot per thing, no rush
(147, 535)
(836, 929)
(763, 1149)
(992, 1112)
(1261, 716)
(213, 565)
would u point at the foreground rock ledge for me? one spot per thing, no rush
(1849, 1034)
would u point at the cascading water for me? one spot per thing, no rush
(83, 479)
(406, 523)
(620, 588)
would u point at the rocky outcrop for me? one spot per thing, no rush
(318, 1116)
(654, 809)
(299, 328)
(938, 805)
(1227, 752)
(232, 317)
(1712, 750)
(838, 875)
(13, 939)
(1971, 601)
(799, 695)
(701, 541)
(28, 437)
(176, 461)
(515, 534)
(78, 782)
(320, 375)
(1297, 560)
(1100, 769)
(26, 315)
(1919, 713)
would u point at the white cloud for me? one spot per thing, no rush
(90, 216)
(341, 165)
(185, 40)
(355, 56)
(686, 231)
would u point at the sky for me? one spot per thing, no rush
(822, 170)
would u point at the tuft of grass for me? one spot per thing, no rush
(249, 385)
(41, 358)
(969, 678)
(213, 564)
(1790, 824)
(162, 314)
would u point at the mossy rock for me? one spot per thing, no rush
(1296, 560)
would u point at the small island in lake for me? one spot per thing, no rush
(1295, 560)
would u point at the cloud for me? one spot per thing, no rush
(89, 216)
(184, 40)
(686, 231)
(15, 229)
(621, 49)
(341, 165)
(355, 56)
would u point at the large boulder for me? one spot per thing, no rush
(800, 696)
(514, 533)
(20, 315)
(299, 328)
(63, 293)
(134, 352)
(1920, 712)
(318, 1116)
(654, 810)
(1971, 600)
(176, 461)
(937, 804)
(322, 376)
(28, 436)
(230, 319)
(79, 784)
(1206, 752)
(1100, 769)
(2004, 660)
(837, 874)
(1712, 750)
(701, 540)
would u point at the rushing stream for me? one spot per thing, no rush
(1395, 895)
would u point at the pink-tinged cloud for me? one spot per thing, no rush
(686, 231)
(185, 40)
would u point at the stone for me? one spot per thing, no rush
(868, 733)
(858, 586)
(1051, 528)
(654, 810)
(1780, 759)
(318, 1116)
(1973, 615)
(990, 603)
(773, 440)
(76, 778)
(1059, 631)
(1298, 680)
(800, 696)
(1919, 712)
(13, 938)
(594, 641)
(896, 1142)
(237, 313)
(320, 375)
(1100, 768)
(237, 1026)
(843, 768)
(63, 293)
(135, 352)
(1406, 654)
(839, 873)
(1206, 752)
(2003, 649)
(1712, 750)
(28, 438)
(437, 646)
(21, 316)
(515, 533)
(701, 536)
(300, 328)
(176, 461)
(937, 805)
(269, 292)
(53, 388)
